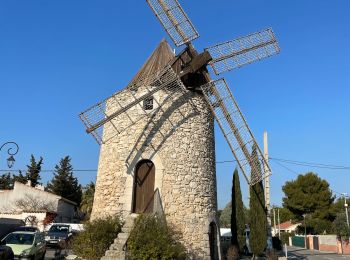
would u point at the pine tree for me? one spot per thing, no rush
(64, 183)
(33, 171)
(6, 182)
(237, 216)
(20, 178)
(258, 217)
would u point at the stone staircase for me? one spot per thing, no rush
(116, 251)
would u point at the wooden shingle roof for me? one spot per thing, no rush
(160, 57)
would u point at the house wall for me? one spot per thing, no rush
(40, 216)
(327, 243)
(21, 191)
(64, 209)
(65, 212)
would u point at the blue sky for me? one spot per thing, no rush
(57, 58)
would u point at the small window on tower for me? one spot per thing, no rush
(148, 103)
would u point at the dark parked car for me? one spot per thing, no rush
(6, 253)
(25, 228)
(58, 235)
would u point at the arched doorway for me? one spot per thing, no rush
(213, 241)
(144, 187)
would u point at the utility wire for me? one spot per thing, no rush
(10, 170)
(315, 165)
(297, 174)
(294, 162)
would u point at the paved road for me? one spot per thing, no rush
(55, 254)
(300, 253)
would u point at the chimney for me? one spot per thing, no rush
(29, 183)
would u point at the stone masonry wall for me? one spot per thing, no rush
(179, 139)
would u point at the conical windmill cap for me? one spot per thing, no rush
(160, 57)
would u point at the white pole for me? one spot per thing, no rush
(286, 250)
(267, 192)
(279, 223)
(346, 209)
(274, 221)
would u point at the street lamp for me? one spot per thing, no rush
(304, 215)
(346, 208)
(11, 160)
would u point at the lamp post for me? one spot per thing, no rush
(304, 215)
(346, 208)
(11, 151)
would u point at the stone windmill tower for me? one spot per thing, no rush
(157, 134)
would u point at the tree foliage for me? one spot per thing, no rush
(237, 215)
(32, 203)
(32, 174)
(20, 178)
(258, 214)
(87, 200)
(64, 183)
(310, 195)
(33, 171)
(96, 238)
(340, 226)
(285, 214)
(225, 216)
(151, 238)
(6, 181)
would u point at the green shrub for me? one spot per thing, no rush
(285, 237)
(232, 253)
(96, 238)
(271, 255)
(151, 238)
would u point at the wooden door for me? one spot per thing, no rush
(144, 187)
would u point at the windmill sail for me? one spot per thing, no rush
(128, 106)
(236, 131)
(174, 20)
(245, 50)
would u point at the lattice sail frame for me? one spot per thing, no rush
(174, 20)
(236, 131)
(102, 120)
(245, 50)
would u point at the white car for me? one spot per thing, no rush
(26, 245)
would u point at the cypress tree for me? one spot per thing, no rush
(258, 217)
(64, 183)
(237, 216)
(32, 174)
(33, 171)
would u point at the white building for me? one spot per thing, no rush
(35, 206)
(287, 227)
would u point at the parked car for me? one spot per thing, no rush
(27, 228)
(26, 245)
(7, 225)
(58, 235)
(6, 253)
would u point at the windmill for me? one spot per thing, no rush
(189, 72)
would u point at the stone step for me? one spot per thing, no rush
(126, 229)
(119, 256)
(117, 246)
(112, 253)
(123, 235)
(129, 224)
(115, 251)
